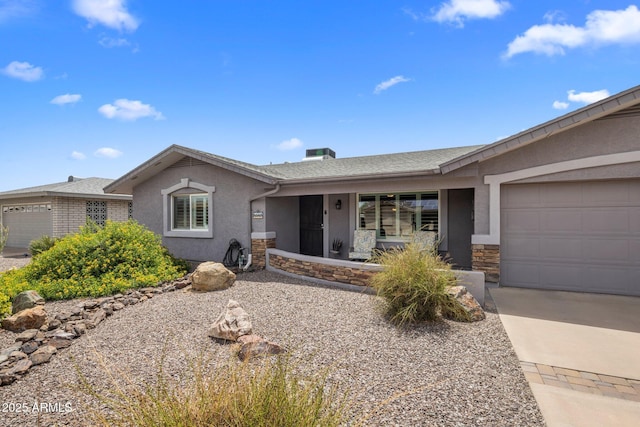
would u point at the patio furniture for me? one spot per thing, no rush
(363, 243)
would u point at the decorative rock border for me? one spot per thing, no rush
(36, 346)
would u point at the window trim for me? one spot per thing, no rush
(396, 238)
(167, 209)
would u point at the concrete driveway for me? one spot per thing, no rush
(580, 353)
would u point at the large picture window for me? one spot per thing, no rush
(191, 212)
(396, 216)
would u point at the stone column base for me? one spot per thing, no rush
(259, 244)
(486, 258)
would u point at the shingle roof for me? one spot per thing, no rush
(427, 161)
(85, 187)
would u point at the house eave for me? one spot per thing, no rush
(362, 177)
(125, 184)
(563, 123)
(50, 194)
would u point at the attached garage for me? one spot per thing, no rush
(27, 222)
(576, 236)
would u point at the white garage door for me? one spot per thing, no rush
(27, 222)
(572, 236)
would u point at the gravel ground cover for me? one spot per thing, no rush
(439, 374)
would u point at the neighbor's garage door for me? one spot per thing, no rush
(26, 223)
(572, 236)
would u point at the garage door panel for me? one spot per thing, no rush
(522, 222)
(561, 276)
(559, 195)
(606, 220)
(562, 250)
(561, 221)
(572, 236)
(523, 248)
(522, 274)
(609, 250)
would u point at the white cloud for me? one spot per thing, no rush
(66, 99)
(457, 11)
(110, 42)
(388, 83)
(10, 9)
(125, 109)
(587, 97)
(110, 153)
(23, 71)
(559, 105)
(76, 155)
(289, 144)
(601, 27)
(110, 13)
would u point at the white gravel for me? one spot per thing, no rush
(441, 374)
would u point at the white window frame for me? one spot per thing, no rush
(199, 190)
(190, 217)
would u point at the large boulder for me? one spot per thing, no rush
(212, 276)
(26, 299)
(468, 302)
(31, 318)
(232, 323)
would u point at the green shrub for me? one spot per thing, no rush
(94, 262)
(267, 392)
(42, 244)
(4, 235)
(413, 285)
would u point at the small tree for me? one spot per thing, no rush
(4, 235)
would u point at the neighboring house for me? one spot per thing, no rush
(58, 209)
(556, 206)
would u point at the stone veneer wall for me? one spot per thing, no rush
(333, 272)
(259, 251)
(486, 258)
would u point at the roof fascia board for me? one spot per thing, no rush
(346, 178)
(563, 123)
(187, 152)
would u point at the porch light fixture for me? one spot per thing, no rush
(339, 204)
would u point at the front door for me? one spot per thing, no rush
(311, 225)
(460, 220)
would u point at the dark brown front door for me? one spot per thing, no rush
(311, 227)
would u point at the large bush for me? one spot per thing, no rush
(413, 285)
(93, 262)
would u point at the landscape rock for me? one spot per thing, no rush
(43, 354)
(259, 349)
(20, 368)
(31, 318)
(25, 300)
(92, 319)
(468, 302)
(245, 339)
(29, 347)
(232, 323)
(27, 335)
(212, 276)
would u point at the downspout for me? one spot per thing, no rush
(259, 196)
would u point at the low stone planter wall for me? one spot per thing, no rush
(333, 271)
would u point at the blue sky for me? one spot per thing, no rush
(97, 87)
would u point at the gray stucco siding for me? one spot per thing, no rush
(597, 138)
(231, 217)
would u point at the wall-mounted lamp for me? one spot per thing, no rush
(339, 204)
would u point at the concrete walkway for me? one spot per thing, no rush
(580, 353)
